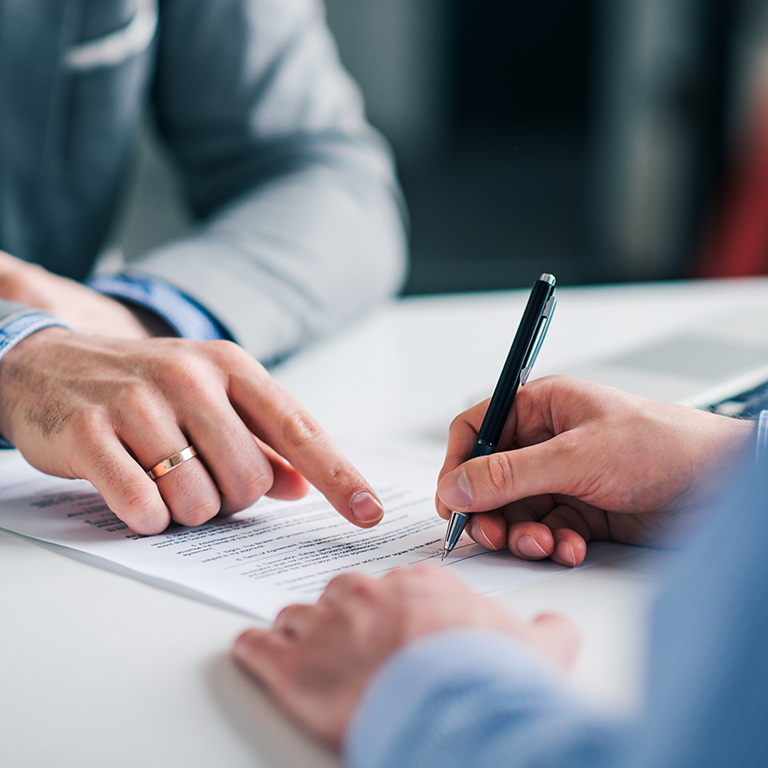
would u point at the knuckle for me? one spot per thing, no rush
(181, 371)
(197, 513)
(352, 586)
(138, 508)
(500, 472)
(283, 614)
(133, 397)
(225, 353)
(346, 580)
(255, 483)
(299, 428)
(362, 588)
(87, 427)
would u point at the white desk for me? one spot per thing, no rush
(101, 670)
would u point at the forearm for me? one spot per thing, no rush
(470, 697)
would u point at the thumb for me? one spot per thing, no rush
(490, 482)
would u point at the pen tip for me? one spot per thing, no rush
(445, 552)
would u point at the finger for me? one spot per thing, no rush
(530, 541)
(260, 652)
(278, 419)
(571, 534)
(570, 548)
(188, 489)
(344, 586)
(526, 537)
(558, 637)
(491, 482)
(540, 528)
(295, 620)
(153, 435)
(240, 470)
(288, 484)
(125, 487)
(488, 529)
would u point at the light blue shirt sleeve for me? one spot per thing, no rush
(187, 318)
(761, 447)
(474, 698)
(469, 699)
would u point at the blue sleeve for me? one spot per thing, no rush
(467, 699)
(761, 447)
(187, 318)
(475, 698)
(707, 701)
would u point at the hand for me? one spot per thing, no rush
(580, 461)
(318, 659)
(107, 410)
(86, 310)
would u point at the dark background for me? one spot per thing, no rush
(588, 138)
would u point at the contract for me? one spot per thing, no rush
(274, 553)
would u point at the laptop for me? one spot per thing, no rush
(721, 364)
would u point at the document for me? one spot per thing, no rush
(276, 552)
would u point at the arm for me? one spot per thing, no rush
(300, 228)
(300, 219)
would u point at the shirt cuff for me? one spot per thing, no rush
(761, 446)
(185, 316)
(17, 329)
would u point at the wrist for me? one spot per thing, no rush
(148, 323)
(731, 438)
(14, 381)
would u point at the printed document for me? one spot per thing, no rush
(276, 552)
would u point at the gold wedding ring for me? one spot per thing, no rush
(166, 465)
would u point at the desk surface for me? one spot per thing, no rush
(100, 669)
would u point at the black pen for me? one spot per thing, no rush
(522, 355)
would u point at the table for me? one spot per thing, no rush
(103, 670)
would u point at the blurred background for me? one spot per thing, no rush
(595, 139)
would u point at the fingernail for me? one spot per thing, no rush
(477, 533)
(455, 491)
(529, 547)
(366, 507)
(565, 550)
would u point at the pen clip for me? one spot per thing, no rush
(538, 339)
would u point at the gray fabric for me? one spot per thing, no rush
(299, 219)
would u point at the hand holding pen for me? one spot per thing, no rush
(522, 355)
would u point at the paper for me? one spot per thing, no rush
(275, 553)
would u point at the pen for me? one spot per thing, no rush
(522, 355)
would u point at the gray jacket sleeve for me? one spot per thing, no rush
(300, 220)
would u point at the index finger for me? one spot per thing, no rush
(277, 418)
